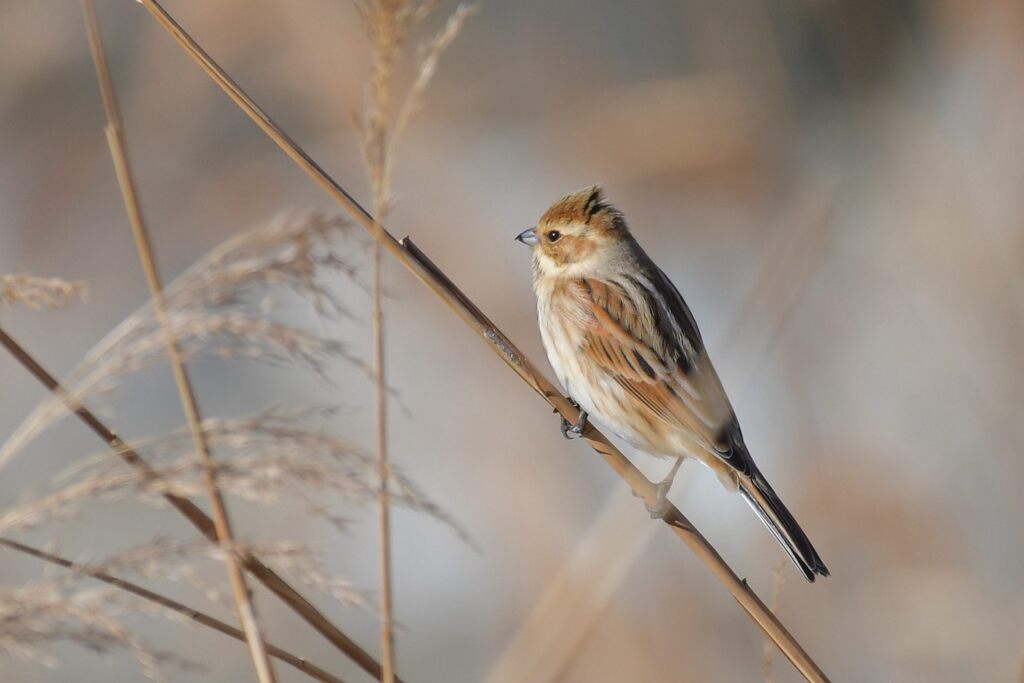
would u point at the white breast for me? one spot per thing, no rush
(596, 393)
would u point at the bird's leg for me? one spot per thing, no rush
(662, 504)
(570, 430)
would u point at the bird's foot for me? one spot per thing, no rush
(573, 431)
(661, 504)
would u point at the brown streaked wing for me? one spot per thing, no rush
(622, 344)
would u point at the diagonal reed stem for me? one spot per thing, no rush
(675, 519)
(417, 263)
(222, 523)
(201, 618)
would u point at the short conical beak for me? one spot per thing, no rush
(528, 237)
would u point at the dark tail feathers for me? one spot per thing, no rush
(762, 498)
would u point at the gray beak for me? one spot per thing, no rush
(528, 237)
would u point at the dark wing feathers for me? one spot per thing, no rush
(670, 375)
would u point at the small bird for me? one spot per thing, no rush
(627, 351)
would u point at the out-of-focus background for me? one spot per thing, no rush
(835, 187)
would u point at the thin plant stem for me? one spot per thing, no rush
(387, 631)
(222, 523)
(199, 519)
(413, 259)
(384, 45)
(201, 618)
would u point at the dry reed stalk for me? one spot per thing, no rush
(417, 263)
(178, 608)
(222, 523)
(38, 292)
(385, 21)
(388, 23)
(383, 49)
(387, 625)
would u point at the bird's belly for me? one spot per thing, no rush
(602, 397)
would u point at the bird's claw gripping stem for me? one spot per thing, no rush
(570, 430)
(661, 504)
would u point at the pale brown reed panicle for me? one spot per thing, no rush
(72, 609)
(388, 23)
(223, 306)
(273, 457)
(175, 610)
(196, 563)
(39, 292)
(46, 612)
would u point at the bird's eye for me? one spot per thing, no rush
(553, 235)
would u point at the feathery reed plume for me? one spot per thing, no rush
(438, 282)
(175, 609)
(63, 610)
(429, 57)
(191, 563)
(388, 23)
(99, 615)
(38, 292)
(268, 458)
(221, 306)
(210, 312)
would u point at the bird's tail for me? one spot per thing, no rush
(762, 498)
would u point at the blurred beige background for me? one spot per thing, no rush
(835, 187)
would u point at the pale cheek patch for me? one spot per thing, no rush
(570, 249)
(579, 248)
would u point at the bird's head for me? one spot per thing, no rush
(577, 236)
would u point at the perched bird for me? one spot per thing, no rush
(627, 350)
